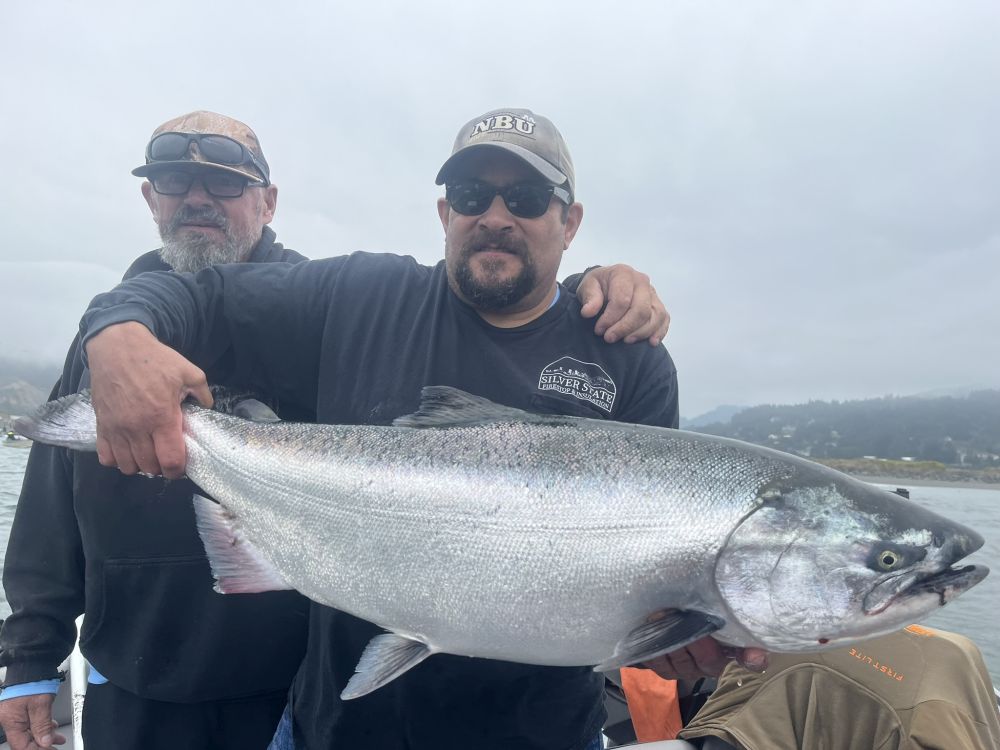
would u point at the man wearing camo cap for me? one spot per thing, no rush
(174, 664)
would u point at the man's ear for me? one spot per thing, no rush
(443, 211)
(573, 220)
(150, 196)
(270, 203)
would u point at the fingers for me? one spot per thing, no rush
(655, 329)
(137, 386)
(28, 722)
(167, 449)
(660, 333)
(627, 306)
(632, 309)
(591, 296)
(702, 658)
(136, 436)
(43, 727)
(674, 666)
(105, 454)
(752, 659)
(199, 388)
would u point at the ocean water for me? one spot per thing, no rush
(12, 463)
(974, 614)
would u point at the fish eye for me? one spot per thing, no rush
(888, 559)
(887, 556)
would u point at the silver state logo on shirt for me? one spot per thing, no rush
(587, 381)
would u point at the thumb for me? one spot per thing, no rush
(197, 385)
(591, 296)
(40, 719)
(753, 659)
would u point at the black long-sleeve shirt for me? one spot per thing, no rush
(355, 339)
(126, 551)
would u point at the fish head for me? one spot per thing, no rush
(819, 564)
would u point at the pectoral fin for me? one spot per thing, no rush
(238, 566)
(666, 631)
(255, 411)
(385, 658)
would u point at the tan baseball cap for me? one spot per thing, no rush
(185, 141)
(530, 137)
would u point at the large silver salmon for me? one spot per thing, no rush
(477, 529)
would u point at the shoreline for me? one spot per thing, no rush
(916, 473)
(906, 483)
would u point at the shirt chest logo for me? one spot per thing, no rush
(586, 381)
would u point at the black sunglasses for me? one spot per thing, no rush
(218, 184)
(218, 149)
(526, 200)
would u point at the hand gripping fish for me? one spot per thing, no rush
(477, 529)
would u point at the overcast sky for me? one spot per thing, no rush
(814, 187)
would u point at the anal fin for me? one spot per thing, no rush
(385, 658)
(238, 566)
(664, 632)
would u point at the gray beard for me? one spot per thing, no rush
(191, 252)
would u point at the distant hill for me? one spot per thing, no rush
(718, 415)
(963, 431)
(20, 397)
(24, 386)
(42, 376)
(960, 392)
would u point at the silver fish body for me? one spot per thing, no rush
(475, 529)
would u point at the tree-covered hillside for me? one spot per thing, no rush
(959, 431)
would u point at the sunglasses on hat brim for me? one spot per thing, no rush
(217, 149)
(526, 200)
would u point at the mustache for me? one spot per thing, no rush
(494, 240)
(204, 215)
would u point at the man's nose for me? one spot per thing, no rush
(197, 195)
(497, 216)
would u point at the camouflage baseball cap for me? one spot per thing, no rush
(530, 137)
(208, 139)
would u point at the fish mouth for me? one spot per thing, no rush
(949, 583)
(945, 585)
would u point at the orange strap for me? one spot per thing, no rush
(652, 704)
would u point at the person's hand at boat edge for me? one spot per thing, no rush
(28, 722)
(705, 657)
(137, 385)
(632, 309)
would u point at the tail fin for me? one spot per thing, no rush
(68, 422)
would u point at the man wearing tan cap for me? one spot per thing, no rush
(175, 665)
(369, 332)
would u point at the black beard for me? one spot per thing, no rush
(494, 293)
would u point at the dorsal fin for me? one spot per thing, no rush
(444, 406)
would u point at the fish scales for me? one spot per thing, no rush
(472, 521)
(476, 529)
